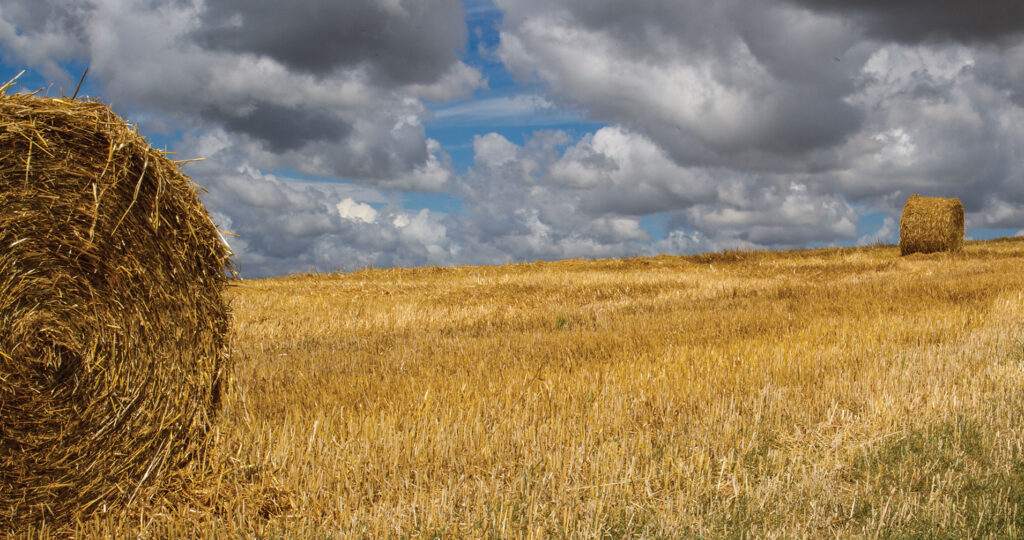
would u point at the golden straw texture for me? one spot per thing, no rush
(113, 326)
(931, 224)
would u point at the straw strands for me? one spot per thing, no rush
(931, 224)
(113, 328)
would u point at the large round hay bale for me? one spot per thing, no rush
(931, 224)
(113, 327)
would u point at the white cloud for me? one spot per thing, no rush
(493, 150)
(423, 227)
(288, 225)
(588, 200)
(459, 82)
(997, 212)
(520, 109)
(353, 211)
(886, 234)
(617, 170)
(788, 216)
(401, 221)
(497, 107)
(687, 242)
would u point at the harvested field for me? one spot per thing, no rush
(848, 392)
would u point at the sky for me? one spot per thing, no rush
(337, 135)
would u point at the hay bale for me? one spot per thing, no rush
(931, 224)
(113, 327)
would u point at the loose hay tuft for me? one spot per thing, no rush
(113, 327)
(931, 224)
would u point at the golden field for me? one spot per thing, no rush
(833, 392)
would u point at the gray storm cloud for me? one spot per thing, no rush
(397, 42)
(854, 100)
(916, 21)
(712, 83)
(328, 88)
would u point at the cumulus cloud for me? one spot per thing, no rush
(936, 128)
(997, 213)
(353, 211)
(548, 198)
(326, 88)
(886, 234)
(619, 171)
(287, 225)
(537, 202)
(493, 150)
(789, 216)
(730, 124)
(515, 210)
(837, 97)
(706, 82)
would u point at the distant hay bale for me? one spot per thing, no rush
(931, 224)
(113, 327)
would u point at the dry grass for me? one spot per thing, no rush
(845, 392)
